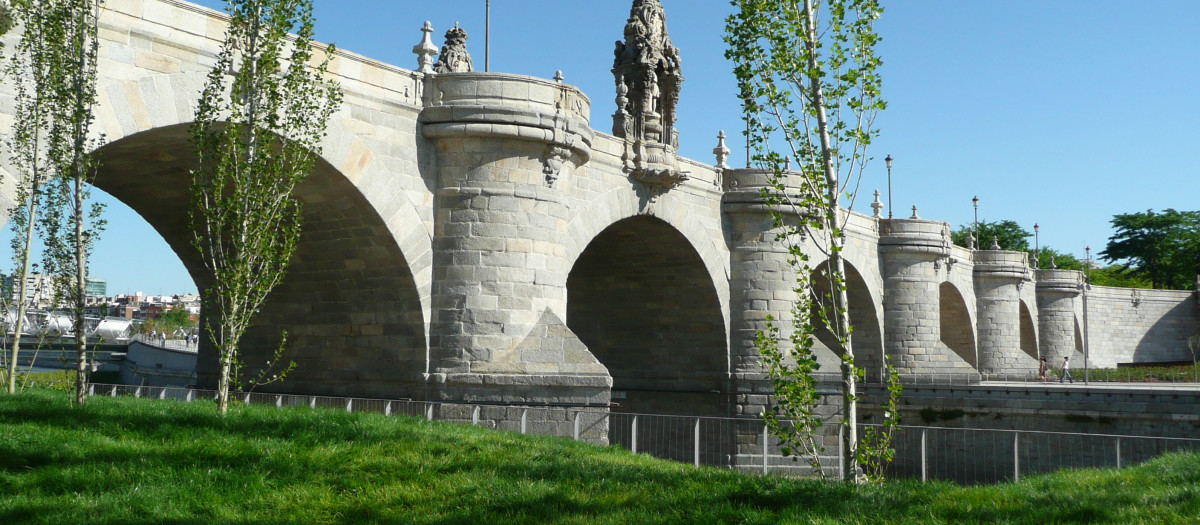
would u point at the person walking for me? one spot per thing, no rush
(1066, 370)
(1042, 369)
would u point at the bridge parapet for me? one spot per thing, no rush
(504, 106)
(1002, 264)
(916, 236)
(1059, 281)
(743, 191)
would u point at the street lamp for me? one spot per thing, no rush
(1036, 248)
(1086, 329)
(975, 229)
(888, 160)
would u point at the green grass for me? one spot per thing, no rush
(1151, 374)
(124, 460)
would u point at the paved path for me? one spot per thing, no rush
(1096, 385)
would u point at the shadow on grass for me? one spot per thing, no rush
(137, 460)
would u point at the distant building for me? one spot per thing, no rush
(96, 287)
(39, 289)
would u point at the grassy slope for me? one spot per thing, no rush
(130, 461)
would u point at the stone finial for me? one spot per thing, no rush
(995, 243)
(914, 215)
(425, 50)
(454, 57)
(722, 152)
(877, 205)
(1053, 265)
(974, 241)
(787, 164)
(558, 76)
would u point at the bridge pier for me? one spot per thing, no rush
(1056, 293)
(999, 274)
(912, 252)
(499, 280)
(761, 283)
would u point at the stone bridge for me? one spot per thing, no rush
(471, 236)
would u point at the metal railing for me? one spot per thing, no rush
(169, 343)
(973, 455)
(963, 455)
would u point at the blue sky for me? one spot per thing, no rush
(1062, 113)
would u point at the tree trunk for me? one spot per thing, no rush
(80, 295)
(837, 264)
(22, 289)
(227, 346)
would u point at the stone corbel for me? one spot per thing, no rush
(552, 161)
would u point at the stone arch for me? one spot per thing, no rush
(1029, 343)
(161, 101)
(642, 301)
(350, 302)
(622, 203)
(864, 318)
(955, 317)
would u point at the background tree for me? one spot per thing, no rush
(1163, 248)
(177, 319)
(808, 78)
(258, 129)
(1050, 258)
(1008, 234)
(72, 224)
(1116, 275)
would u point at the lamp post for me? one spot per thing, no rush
(888, 160)
(1086, 329)
(1037, 252)
(975, 228)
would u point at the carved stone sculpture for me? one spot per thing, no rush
(454, 57)
(647, 70)
(552, 162)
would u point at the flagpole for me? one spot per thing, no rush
(487, 38)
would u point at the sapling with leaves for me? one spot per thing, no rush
(258, 131)
(809, 82)
(73, 222)
(53, 71)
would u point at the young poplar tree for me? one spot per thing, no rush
(72, 224)
(258, 130)
(36, 69)
(808, 79)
